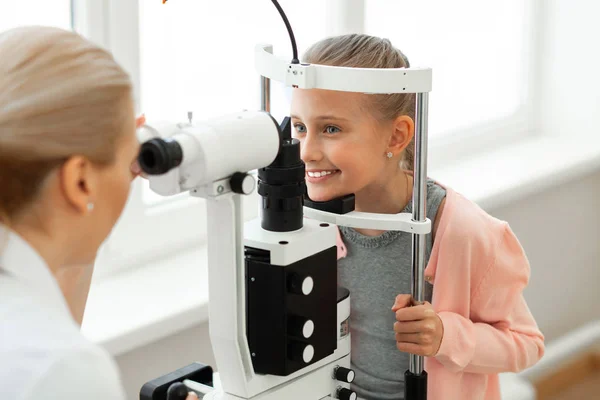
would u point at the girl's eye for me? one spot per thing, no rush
(332, 129)
(300, 128)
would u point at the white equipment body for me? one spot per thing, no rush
(207, 149)
(242, 142)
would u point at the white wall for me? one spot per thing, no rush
(560, 231)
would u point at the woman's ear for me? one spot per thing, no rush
(78, 183)
(403, 130)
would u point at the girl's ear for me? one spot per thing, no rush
(403, 130)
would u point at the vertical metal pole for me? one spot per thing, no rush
(265, 94)
(265, 105)
(265, 89)
(419, 212)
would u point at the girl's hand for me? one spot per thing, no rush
(419, 330)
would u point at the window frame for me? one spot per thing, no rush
(520, 126)
(106, 22)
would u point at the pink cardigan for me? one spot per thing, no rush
(478, 270)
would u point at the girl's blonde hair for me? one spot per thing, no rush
(364, 51)
(60, 96)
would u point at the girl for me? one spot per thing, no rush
(475, 322)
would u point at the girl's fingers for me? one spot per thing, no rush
(415, 338)
(402, 300)
(415, 313)
(408, 327)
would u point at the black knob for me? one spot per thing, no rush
(158, 156)
(343, 374)
(346, 394)
(242, 183)
(300, 327)
(301, 352)
(177, 391)
(300, 284)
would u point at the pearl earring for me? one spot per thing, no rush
(389, 154)
(90, 206)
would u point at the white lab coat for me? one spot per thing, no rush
(43, 355)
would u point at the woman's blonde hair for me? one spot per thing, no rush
(364, 51)
(60, 96)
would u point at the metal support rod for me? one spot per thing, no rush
(265, 94)
(265, 88)
(419, 212)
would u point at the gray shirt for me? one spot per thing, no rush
(376, 270)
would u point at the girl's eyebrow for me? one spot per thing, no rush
(323, 117)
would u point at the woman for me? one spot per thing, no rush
(67, 159)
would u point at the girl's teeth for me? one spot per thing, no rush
(318, 174)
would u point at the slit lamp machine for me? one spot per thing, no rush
(279, 322)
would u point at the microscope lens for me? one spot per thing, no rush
(159, 156)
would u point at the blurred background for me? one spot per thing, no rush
(514, 117)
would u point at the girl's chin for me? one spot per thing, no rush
(322, 194)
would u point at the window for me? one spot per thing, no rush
(194, 56)
(36, 12)
(199, 56)
(478, 53)
(189, 55)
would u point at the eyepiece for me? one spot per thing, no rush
(159, 156)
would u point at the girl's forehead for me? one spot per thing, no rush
(310, 101)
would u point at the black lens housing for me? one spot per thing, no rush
(159, 156)
(282, 186)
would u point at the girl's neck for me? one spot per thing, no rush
(387, 197)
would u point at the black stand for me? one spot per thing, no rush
(415, 386)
